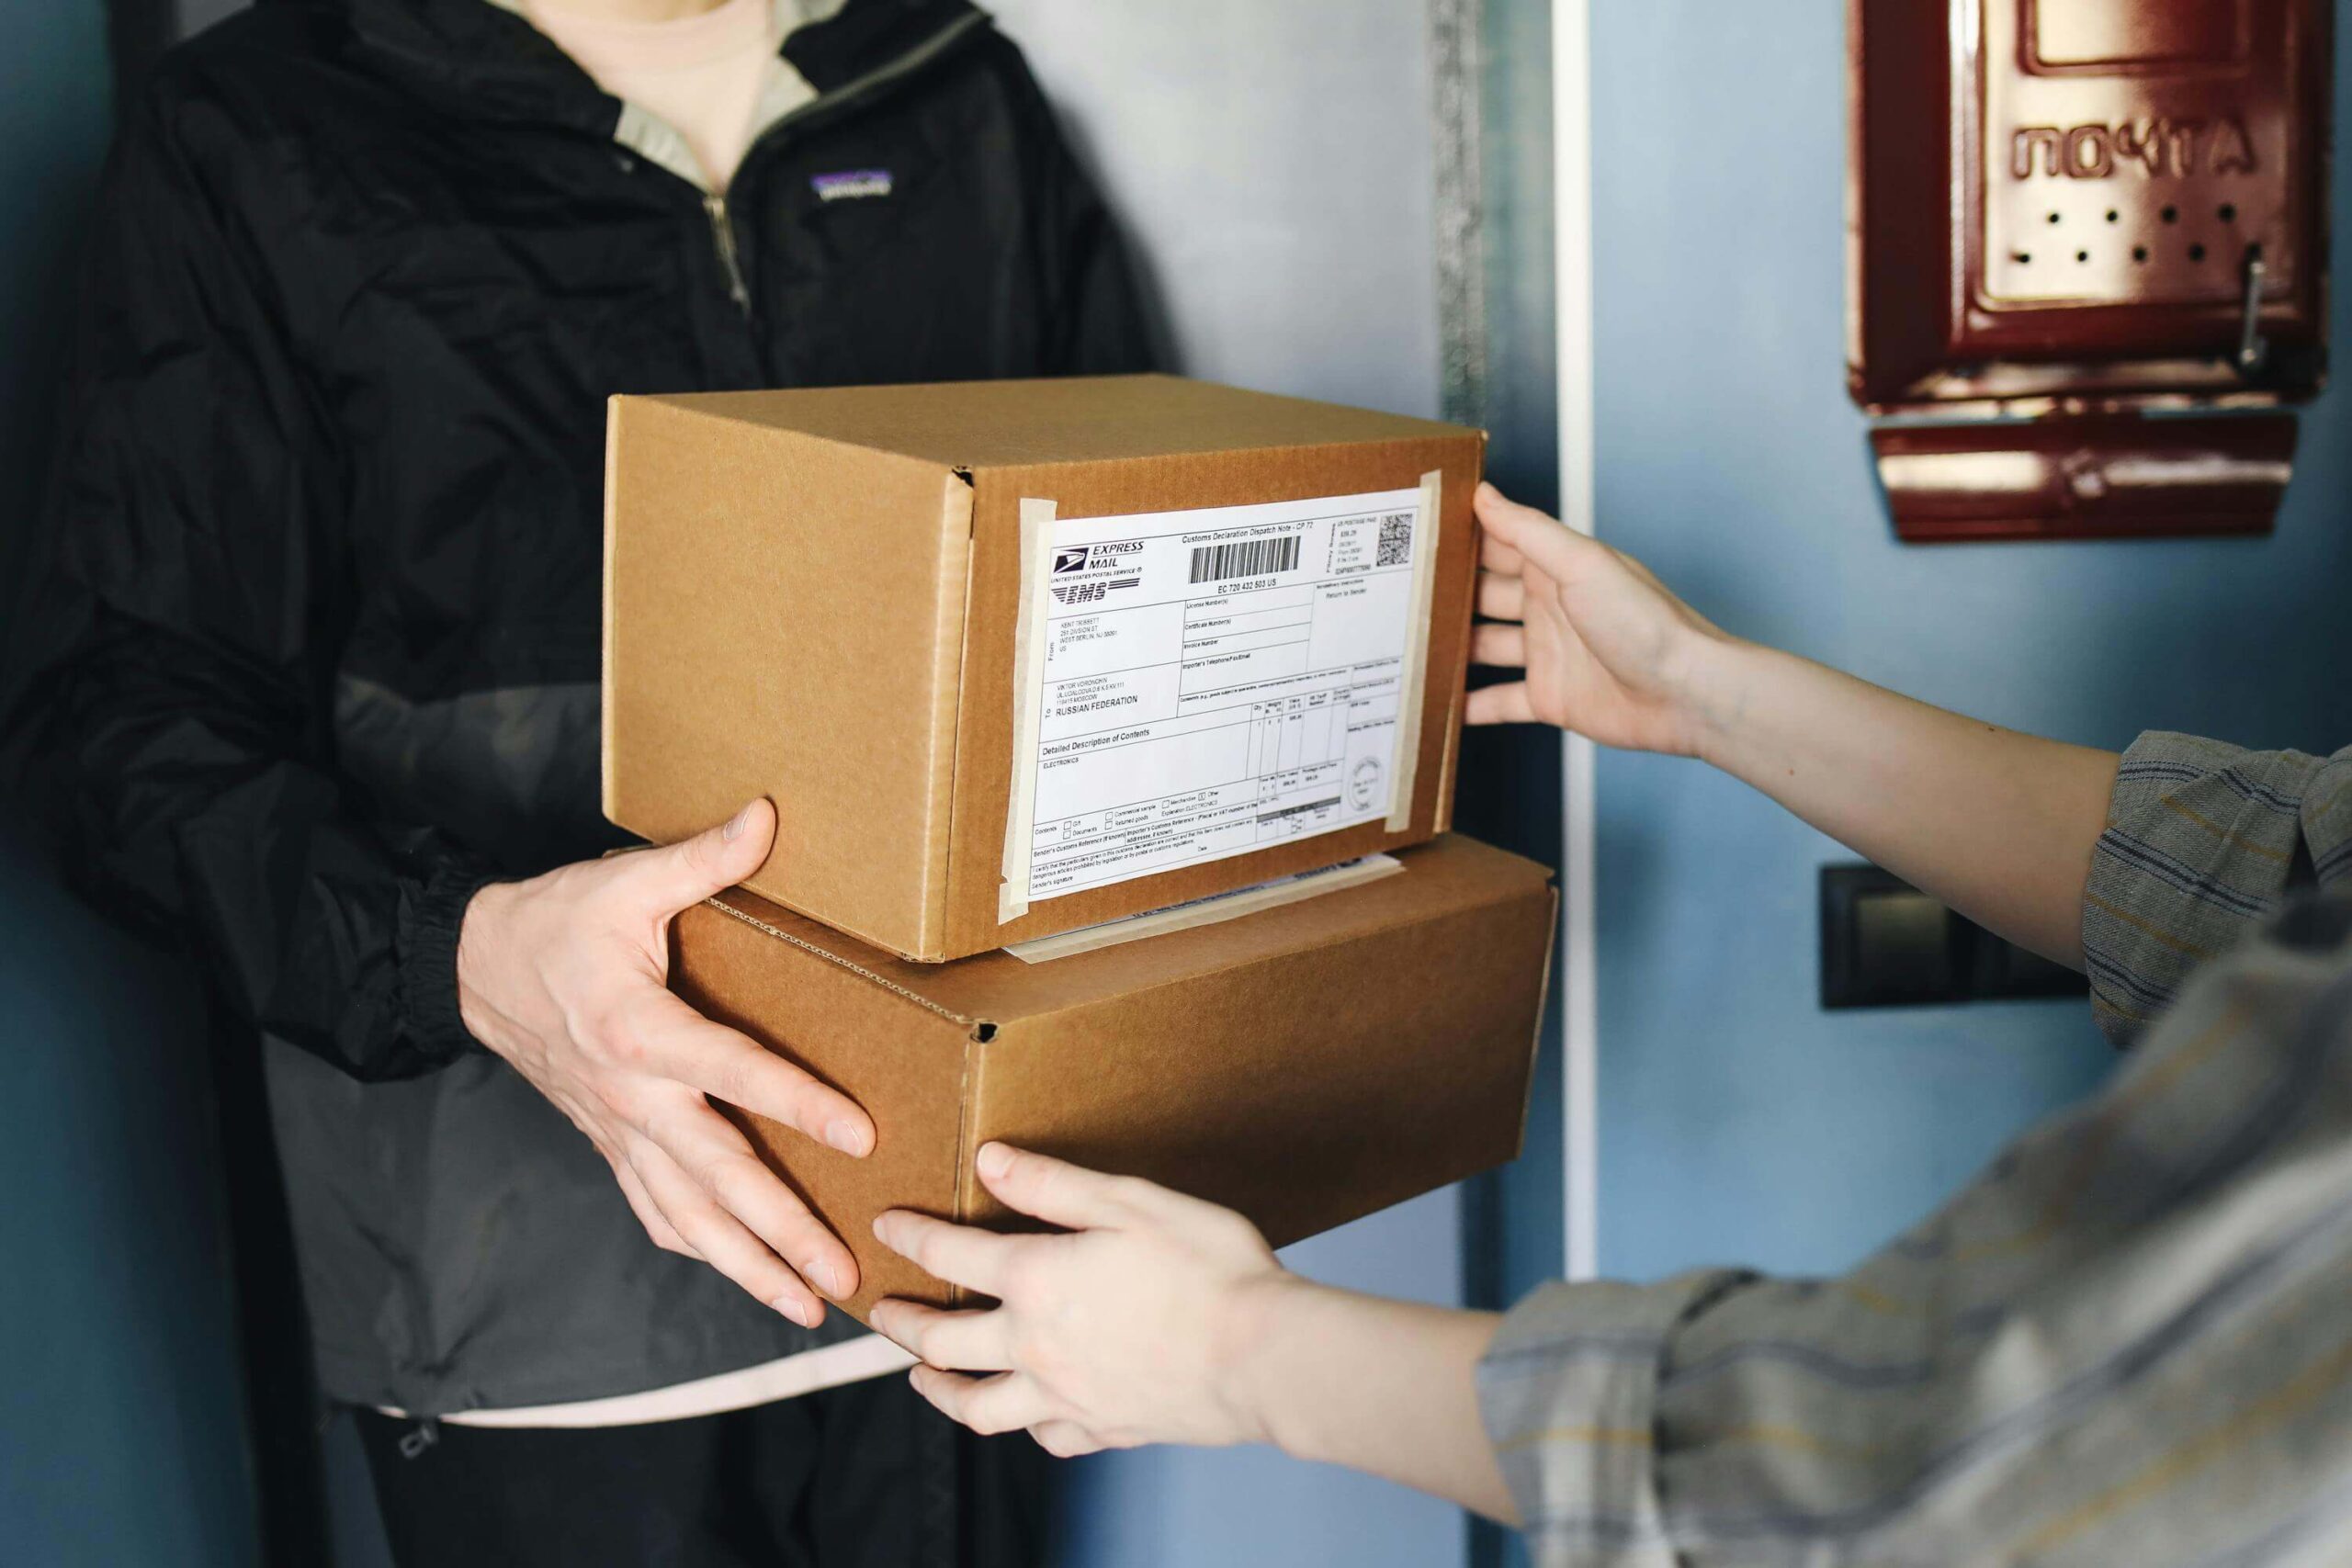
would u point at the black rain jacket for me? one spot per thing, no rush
(314, 653)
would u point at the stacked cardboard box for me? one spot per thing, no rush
(1016, 659)
(1305, 1064)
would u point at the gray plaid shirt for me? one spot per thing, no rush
(2127, 1342)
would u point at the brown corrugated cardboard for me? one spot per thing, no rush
(817, 596)
(1305, 1064)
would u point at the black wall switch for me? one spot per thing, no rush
(1885, 944)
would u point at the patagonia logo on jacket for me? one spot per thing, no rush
(851, 183)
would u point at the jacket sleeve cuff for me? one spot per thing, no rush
(437, 1033)
(1568, 1392)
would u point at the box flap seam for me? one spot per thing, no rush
(605, 705)
(951, 624)
(1439, 431)
(963, 1136)
(835, 959)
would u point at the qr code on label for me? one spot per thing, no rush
(1395, 539)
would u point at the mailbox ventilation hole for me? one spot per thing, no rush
(2020, 257)
(2053, 218)
(2112, 215)
(2196, 252)
(2139, 253)
(2082, 256)
(2170, 215)
(2229, 213)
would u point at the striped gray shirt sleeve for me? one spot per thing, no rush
(2124, 1343)
(2203, 840)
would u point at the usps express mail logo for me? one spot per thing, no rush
(1087, 574)
(850, 184)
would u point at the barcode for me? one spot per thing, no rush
(1395, 539)
(1251, 558)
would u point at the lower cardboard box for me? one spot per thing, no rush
(1305, 1064)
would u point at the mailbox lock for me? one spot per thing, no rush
(2253, 349)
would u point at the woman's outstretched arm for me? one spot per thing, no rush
(1996, 824)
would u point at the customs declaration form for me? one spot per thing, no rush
(1216, 680)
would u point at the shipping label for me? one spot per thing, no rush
(1213, 681)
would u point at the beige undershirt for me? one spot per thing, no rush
(702, 75)
(708, 78)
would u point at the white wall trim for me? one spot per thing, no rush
(1580, 1025)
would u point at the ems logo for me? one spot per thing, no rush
(850, 183)
(1069, 560)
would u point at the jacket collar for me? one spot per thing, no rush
(861, 40)
(485, 50)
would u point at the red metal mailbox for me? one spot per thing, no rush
(2099, 226)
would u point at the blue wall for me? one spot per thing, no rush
(121, 1436)
(1737, 1122)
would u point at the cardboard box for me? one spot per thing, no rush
(1013, 658)
(1305, 1063)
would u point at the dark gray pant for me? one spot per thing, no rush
(865, 1476)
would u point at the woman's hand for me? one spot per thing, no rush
(566, 977)
(1606, 650)
(1996, 824)
(1132, 1330)
(1165, 1319)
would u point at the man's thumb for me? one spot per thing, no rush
(713, 860)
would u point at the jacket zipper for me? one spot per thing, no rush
(722, 233)
(722, 227)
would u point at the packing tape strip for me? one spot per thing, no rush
(1028, 657)
(1208, 911)
(1413, 686)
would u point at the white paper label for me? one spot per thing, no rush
(1215, 681)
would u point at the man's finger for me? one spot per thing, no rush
(677, 875)
(952, 1341)
(1066, 1439)
(1005, 1403)
(680, 1043)
(1499, 643)
(1499, 705)
(960, 1254)
(1502, 598)
(724, 1242)
(709, 1149)
(658, 1228)
(1057, 1191)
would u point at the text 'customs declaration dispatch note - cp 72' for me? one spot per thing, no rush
(1201, 683)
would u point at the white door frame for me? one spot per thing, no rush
(1579, 1023)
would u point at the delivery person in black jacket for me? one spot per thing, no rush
(313, 689)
